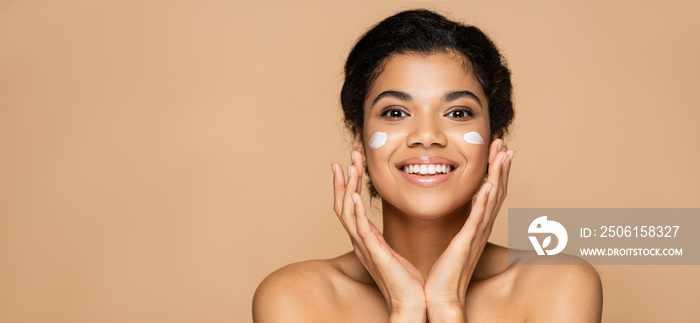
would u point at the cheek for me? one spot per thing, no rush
(471, 144)
(377, 140)
(380, 146)
(473, 137)
(383, 142)
(473, 141)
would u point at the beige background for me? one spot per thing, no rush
(159, 159)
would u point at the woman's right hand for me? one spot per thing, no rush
(399, 281)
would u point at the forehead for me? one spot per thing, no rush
(426, 76)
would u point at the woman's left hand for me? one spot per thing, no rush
(446, 285)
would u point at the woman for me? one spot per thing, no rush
(428, 101)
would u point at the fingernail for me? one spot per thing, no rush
(349, 167)
(333, 168)
(500, 145)
(512, 154)
(352, 157)
(354, 200)
(488, 187)
(503, 160)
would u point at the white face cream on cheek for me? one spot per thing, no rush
(473, 138)
(377, 140)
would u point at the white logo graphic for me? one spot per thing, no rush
(541, 225)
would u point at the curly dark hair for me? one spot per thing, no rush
(425, 32)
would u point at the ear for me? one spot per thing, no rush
(358, 144)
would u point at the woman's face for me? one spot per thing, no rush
(424, 118)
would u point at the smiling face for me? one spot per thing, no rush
(431, 113)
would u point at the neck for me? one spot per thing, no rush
(421, 241)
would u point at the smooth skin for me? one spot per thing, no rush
(433, 261)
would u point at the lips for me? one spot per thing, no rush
(427, 170)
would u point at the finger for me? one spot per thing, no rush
(506, 170)
(377, 233)
(339, 201)
(351, 186)
(502, 178)
(496, 147)
(364, 226)
(348, 208)
(495, 179)
(470, 236)
(357, 162)
(503, 190)
(338, 188)
(376, 253)
(476, 216)
(372, 238)
(495, 167)
(362, 229)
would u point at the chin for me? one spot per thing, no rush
(429, 207)
(429, 203)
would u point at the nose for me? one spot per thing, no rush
(427, 132)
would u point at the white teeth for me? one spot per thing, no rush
(425, 169)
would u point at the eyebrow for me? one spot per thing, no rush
(450, 96)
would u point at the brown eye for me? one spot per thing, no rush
(394, 113)
(460, 114)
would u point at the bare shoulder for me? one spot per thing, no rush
(329, 290)
(295, 293)
(568, 291)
